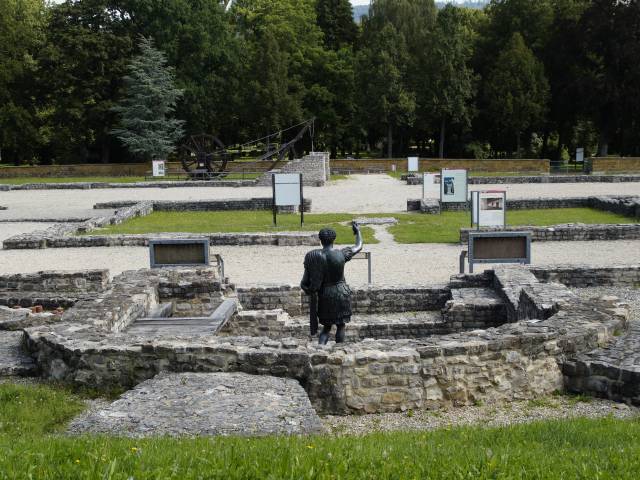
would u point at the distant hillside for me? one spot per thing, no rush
(360, 11)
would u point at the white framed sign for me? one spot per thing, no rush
(488, 208)
(453, 186)
(287, 192)
(413, 164)
(287, 189)
(158, 168)
(579, 155)
(430, 183)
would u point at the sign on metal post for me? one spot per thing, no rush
(287, 192)
(158, 168)
(453, 186)
(413, 164)
(488, 208)
(366, 256)
(579, 155)
(499, 247)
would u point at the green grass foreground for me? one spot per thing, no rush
(412, 227)
(238, 221)
(32, 445)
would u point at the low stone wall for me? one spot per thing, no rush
(315, 169)
(519, 360)
(586, 276)
(567, 233)
(523, 165)
(370, 300)
(412, 179)
(51, 289)
(615, 164)
(207, 205)
(628, 206)
(84, 281)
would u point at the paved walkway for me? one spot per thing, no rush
(357, 194)
(191, 404)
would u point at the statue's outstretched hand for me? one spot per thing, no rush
(355, 227)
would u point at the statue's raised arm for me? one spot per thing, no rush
(357, 248)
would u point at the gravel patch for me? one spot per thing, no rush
(357, 194)
(546, 408)
(8, 230)
(393, 264)
(628, 295)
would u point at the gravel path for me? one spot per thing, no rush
(393, 264)
(357, 194)
(560, 407)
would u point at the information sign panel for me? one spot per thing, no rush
(158, 168)
(287, 189)
(488, 208)
(499, 247)
(179, 252)
(414, 164)
(579, 155)
(430, 183)
(453, 186)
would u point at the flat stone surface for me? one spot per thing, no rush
(191, 404)
(12, 360)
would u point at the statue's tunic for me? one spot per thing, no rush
(324, 275)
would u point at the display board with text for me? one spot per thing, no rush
(488, 208)
(287, 192)
(453, 186)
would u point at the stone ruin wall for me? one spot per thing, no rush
(315, 169)
(513, 361)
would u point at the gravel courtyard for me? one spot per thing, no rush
(357, 194)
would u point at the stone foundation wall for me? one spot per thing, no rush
(315, 169)
(370, 300)
(84, 281)
(523, 165)
(208, 205)
(568, 233)
(418, 179)
(585, 276)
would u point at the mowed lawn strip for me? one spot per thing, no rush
(411, 227)
(445, 228)
(33, 446)
(171, 178)
(238, 221)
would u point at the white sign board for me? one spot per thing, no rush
(158, 168)
(453, 186)
(414, 164)
(579, 155)
(287, 189)
(490, 208)
(430, 183)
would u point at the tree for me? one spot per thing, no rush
(335, 18)
(516, 91)
(150, 97)
(452, 79)
(21, 36)
(80, 73)
(384, 97)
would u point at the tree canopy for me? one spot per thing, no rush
(519, 77)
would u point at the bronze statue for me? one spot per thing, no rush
(323, 281)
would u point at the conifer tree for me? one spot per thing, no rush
(150, 98)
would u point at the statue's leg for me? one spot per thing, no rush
(340, 333)
(324, 335)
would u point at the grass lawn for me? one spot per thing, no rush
(445, 228)
(32, 446)
(237, 221)
(25, 180)
(412, 227)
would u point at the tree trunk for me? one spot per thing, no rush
(443, 126)
(603, 144)
(390, 142)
